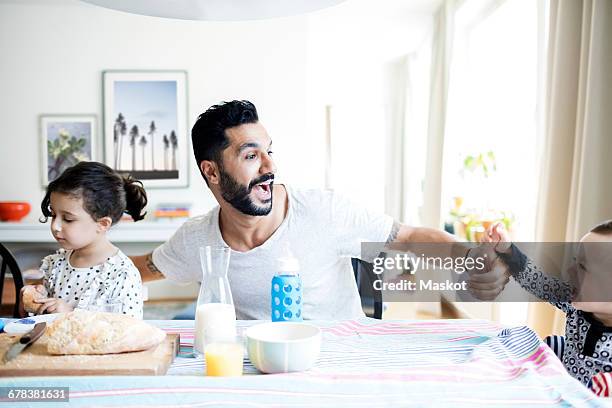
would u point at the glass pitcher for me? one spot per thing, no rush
(215, 316)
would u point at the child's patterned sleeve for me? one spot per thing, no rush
(128, 291)
(535, 281)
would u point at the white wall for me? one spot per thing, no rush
(53, 53)
(350, 46)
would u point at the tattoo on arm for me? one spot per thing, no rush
(151, 266)
(394, 231)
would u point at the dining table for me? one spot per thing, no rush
(363, 362)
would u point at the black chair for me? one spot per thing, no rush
(371, 299)
(8, 262)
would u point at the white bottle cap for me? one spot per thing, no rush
(288, 264)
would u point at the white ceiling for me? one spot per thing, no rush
(381, 8)
(225, 10)
(389, 7)
(216, 10)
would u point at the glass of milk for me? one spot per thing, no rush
(215, 317)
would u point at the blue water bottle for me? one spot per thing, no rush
(286, 293)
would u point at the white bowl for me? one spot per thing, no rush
(283, 347)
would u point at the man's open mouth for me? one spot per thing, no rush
(264, 190)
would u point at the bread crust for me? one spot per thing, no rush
(85, 332)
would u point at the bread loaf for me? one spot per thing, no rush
(85, 332)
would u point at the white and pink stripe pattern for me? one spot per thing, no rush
(363, 363)
(601, 384)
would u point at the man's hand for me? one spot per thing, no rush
(488, 285)
(484, 285)
(53, 305)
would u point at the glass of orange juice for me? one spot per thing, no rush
(224, 358)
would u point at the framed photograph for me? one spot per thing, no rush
(65, 140)
(145, 125)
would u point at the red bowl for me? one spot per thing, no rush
(13, 210)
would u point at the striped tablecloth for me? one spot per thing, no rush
(363, 363)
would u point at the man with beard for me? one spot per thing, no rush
(259, 221)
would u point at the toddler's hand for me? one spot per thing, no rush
(496, 233)
(34, 288)
(29, 295)
(53, 305)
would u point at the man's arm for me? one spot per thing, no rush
(420, 239)
(401, 233)
(148, 271)
(484, 285)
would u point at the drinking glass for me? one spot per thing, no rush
(215, 318)
(223, 358)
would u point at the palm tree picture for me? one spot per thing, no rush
(174, 143)
(135, 139)
(152, 130)
(143, 144)
(133, 136)
(119, 130)
(146, 126)
(166, 148)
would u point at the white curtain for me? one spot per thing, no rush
(576, 186)
(440, 70)
(417, 91)
(397, 99)
(416, 96)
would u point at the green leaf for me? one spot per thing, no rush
(468, 162)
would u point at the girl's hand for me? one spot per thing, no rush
(39, 291)
(28, 295)
(496, 233)
(53, 305)
(38, 288)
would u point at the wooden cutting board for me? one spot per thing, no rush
(35, 361)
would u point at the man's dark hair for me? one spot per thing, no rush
(208, 134)
(603, 228)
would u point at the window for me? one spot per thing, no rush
(490, 168)
(491, 147)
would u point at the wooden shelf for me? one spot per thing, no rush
(122, 232)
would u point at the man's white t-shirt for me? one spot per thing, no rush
(324, 231)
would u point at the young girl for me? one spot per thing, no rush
(586, 348)
(88, 270)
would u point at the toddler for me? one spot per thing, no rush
(88, 270)
(586, 349)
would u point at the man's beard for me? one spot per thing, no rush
(239, 196)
